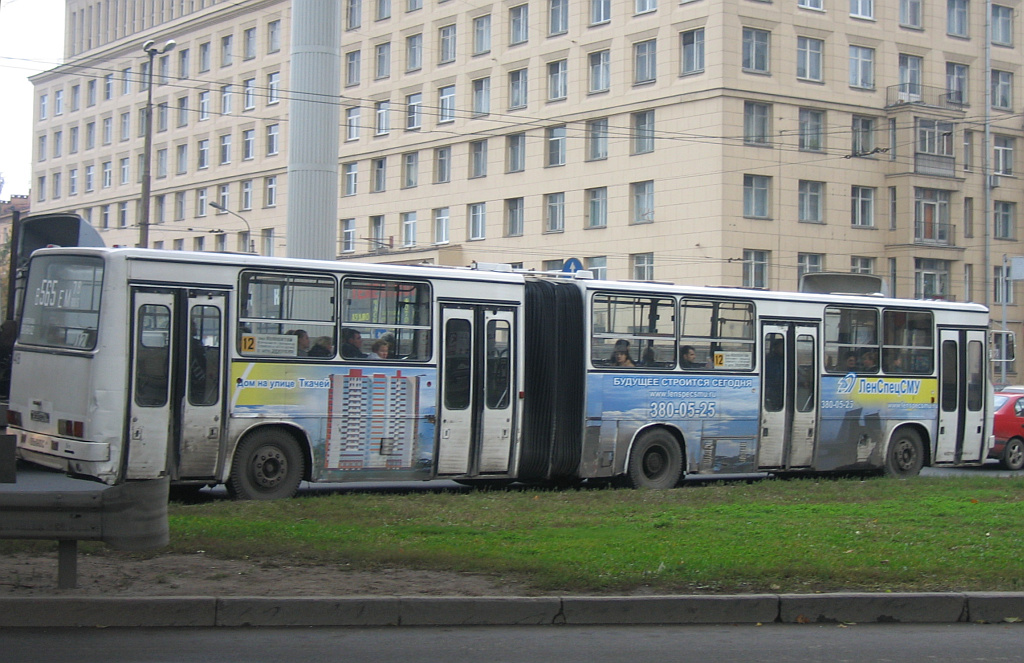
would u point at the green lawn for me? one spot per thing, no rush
(776, 536)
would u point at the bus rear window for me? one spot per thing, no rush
(62, 302)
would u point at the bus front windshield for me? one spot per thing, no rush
(62, 302)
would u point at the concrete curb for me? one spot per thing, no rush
(990, 607)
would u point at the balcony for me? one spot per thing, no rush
(933, 233)
(934, 164)
(923, 95)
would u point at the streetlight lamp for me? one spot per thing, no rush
(147, 150)
(248, 230)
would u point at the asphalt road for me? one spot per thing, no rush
(900, 643)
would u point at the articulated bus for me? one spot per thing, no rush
(259, 373)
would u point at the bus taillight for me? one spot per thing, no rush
(13, 418)
(71, 428)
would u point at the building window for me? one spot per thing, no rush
(478, 158)
(442, 164)
(352, 123)
(597, 139)
(201, 202)
(414, 52)
(1002, 286)
(225, 100)
(756, 190)
(808, 263)
(931, 216)
(519, 22)
(348, 236)
(517, 82)
(598, 266)
(812, 130)
(910, 14)
(481, 96)
(956, 82)
(643, 132)
(558, 17)
(957, 12)
(555, 139)
(203, 149)
(862, 208)
(862, 8)
(757, 123)
(1003, 155)
(408, 221)
(1005, 219)
(273, 142)
(353, 66)
(446, 104)
(270, 191)
(350, 176)
(755, 50)
(382, 61)
(1002, 90)
(558, 81)
(249, 94)
(514, 217)
(446, 37)
(597, 207)
(600, 11)
(274, 36)
(811, 201)
(862, 67)
(246, 197)
(477, 213)
(379, 170)
(248, 144)
(645, 61)
(441, 223)
(643, 266)
(934, 137)
(225, 149)
(862, 265)
(642, 199)
(809, 54)
(910, 68)
(692, 56)
(482, 34)
(181, 159)
(600, 71)
(515, 148)
(383, 10)
(413, 111)
(226, 46)
(554, 212)
(273, 88)
(249, 43)
(353, 14)
(410, 169)
(755, 268)
(382, 118)
(863, 136)
(1002, 25)
(931, 278)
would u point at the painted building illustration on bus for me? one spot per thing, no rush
(372, 420)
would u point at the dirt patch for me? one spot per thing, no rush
(35, 574)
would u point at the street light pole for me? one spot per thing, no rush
(248, 230)
(147, 150)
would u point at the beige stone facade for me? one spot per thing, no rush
(722, 142)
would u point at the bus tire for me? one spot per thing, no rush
(905, 456)
(655, 461)
(1013, 455)
(268, 465)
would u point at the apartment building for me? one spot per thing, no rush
(722, 142)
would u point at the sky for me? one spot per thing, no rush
(31, 40)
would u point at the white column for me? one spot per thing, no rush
(314, 91)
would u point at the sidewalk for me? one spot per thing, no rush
(63, 611)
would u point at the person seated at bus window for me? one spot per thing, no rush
(302, 340)
(649, 358)
(869, 361)
(379, 350)
(352, 344)
(892, 361)
(850, 361)
(323, 347)
(688, 357)
(620, 355)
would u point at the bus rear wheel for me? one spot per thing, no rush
(268, 465)
(905, 456)
(655, 461)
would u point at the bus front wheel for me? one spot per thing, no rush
(655, 461)
(268, 465)
(905, 456)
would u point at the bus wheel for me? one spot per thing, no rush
(656, 461)
(905, 457)
(268, 465)
(1013, 454)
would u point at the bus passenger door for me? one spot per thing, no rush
(150, 405)
(962, 392)
(476, 404)
(199, 440)
(789, 396)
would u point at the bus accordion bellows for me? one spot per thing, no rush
(259, 373)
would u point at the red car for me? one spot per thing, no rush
(1008, 426)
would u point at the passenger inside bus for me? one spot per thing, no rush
(324, 347)
(620, 355)
(869, 361)
(688, 357)
(352, 344)
(302, 340)
(379, 350)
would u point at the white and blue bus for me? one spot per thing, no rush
(259, 373)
